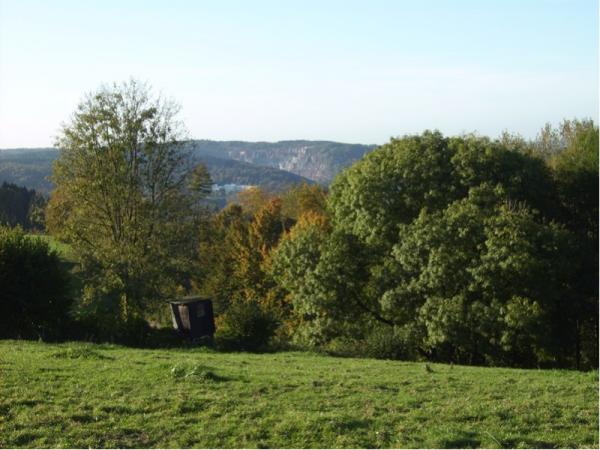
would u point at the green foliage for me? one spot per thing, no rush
(293, 267)
(122, 201)
(334, 291)
(21, 206)
(302, 199)
(253, 200)
(381, 341)
(391, 185)
(63, 250)
(551, 140)
(200, 181)
(236, 253)
(465, 269)
(34, 300)
(245, 326)
(99, 324)
(455, 245)
(576, 175)
(384, 342)
(216, 252)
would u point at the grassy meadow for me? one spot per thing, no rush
(87, 395)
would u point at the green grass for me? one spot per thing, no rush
(68, 260)
(65, 252)
(85, 395)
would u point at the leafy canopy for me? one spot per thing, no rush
(125, 198)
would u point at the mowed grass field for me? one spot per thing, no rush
(86, 395)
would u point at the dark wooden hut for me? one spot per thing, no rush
(193, 317)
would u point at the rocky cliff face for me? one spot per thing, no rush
(317, 160)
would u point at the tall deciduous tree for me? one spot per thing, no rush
(465, 248)
(304, 198)
(125, 197)
(576, 173)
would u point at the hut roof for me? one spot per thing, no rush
(186, 300)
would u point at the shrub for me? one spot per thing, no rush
(381, 342)
(245, 326)
(97, 327)
(385, 342)
(34, 301)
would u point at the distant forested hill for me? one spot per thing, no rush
(229, 171)
(271, 165)
(29, 167)
(316, 160)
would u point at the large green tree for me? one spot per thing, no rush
(463, 248)
(483, 281)
(575, 169)
(125, 197)
(391, 185)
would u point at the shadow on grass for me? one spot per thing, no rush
(461, 439)
(23, 439)
(520, 442)
(470, 439)
(30, 403)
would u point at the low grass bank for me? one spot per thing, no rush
(65, 252)
(84, 395)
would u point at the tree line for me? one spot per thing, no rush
(21, 206)
(463, 249)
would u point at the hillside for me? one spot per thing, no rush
(32, 167)
(84, 395)
(316, 160)
(228, 171)
(272, 165)
(29, 167)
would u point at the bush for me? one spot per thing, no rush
(381, 342)
(245, 326)
(34, 301)
(136, 332)
(385, 342)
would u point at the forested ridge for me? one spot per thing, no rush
(27, 167)
(316, 160)
(271, 165)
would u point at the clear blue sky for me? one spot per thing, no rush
(353, 71)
